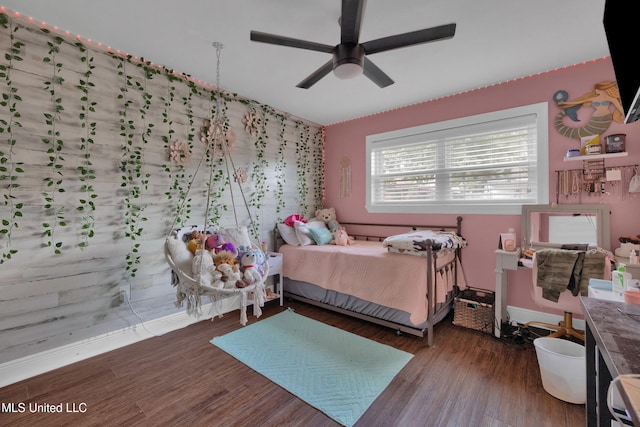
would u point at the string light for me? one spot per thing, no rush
(539, 74)
(100, 47)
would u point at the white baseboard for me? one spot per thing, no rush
(39, 363)
(523, 315)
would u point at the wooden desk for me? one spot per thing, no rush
(612, 341)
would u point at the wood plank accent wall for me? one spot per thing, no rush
(89, 192)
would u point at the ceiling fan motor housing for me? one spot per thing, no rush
(348, 60)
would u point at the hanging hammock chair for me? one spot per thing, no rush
(211, 261)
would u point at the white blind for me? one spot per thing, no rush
(487, 162)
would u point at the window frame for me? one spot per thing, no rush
(479, 207)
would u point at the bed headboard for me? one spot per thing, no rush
(372, 231)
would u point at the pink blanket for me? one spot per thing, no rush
(368, 271)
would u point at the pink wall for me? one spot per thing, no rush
(348, 139)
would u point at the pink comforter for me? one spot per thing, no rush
(368, 271)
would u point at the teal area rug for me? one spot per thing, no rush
(337, 372)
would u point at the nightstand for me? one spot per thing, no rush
(274, 259)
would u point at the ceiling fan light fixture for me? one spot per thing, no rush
(347, 71)
(348, 61)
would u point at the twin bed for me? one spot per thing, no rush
(405, 280)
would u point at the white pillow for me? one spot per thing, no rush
(288, 234)
(302, 231)
(239, 236)
(180, 254)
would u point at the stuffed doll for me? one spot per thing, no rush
(214, 241)
(195, 241)
(216, 244)
(248, 264)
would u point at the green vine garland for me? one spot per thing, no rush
(10, 170)
(318, 165)
(280, 167)
(258, 168)
(133, 177)
(55, 145)
(302, 165)
(87, 174)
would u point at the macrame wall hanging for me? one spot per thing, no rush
(345, 177)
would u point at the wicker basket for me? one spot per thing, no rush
(473, 309)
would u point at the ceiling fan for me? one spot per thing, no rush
(350, 56)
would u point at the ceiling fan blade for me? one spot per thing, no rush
(351, 20)
(441, 32)
(258, 36)
(375, 74)
(316, 75)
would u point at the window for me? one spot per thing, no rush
(489, 163)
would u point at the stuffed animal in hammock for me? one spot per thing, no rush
(203, 269)
(216, 244)
(195, 241)
(229, 276)
(248, 264)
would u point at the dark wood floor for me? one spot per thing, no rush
(467, 378)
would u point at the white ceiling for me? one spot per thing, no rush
(495, 41)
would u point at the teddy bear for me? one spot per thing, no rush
(328, 216)
(248, 264)
(340, 236)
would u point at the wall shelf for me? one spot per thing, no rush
(596, 156)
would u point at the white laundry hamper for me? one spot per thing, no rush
(562, 368)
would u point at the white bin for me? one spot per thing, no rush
(562, 368)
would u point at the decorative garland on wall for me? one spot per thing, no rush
(134, 180)
(10, 169)
(302, 167)
(182, 179)
(85, 170)
(134, 102)
(280, 167)
(54, 148)
(318, 164)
